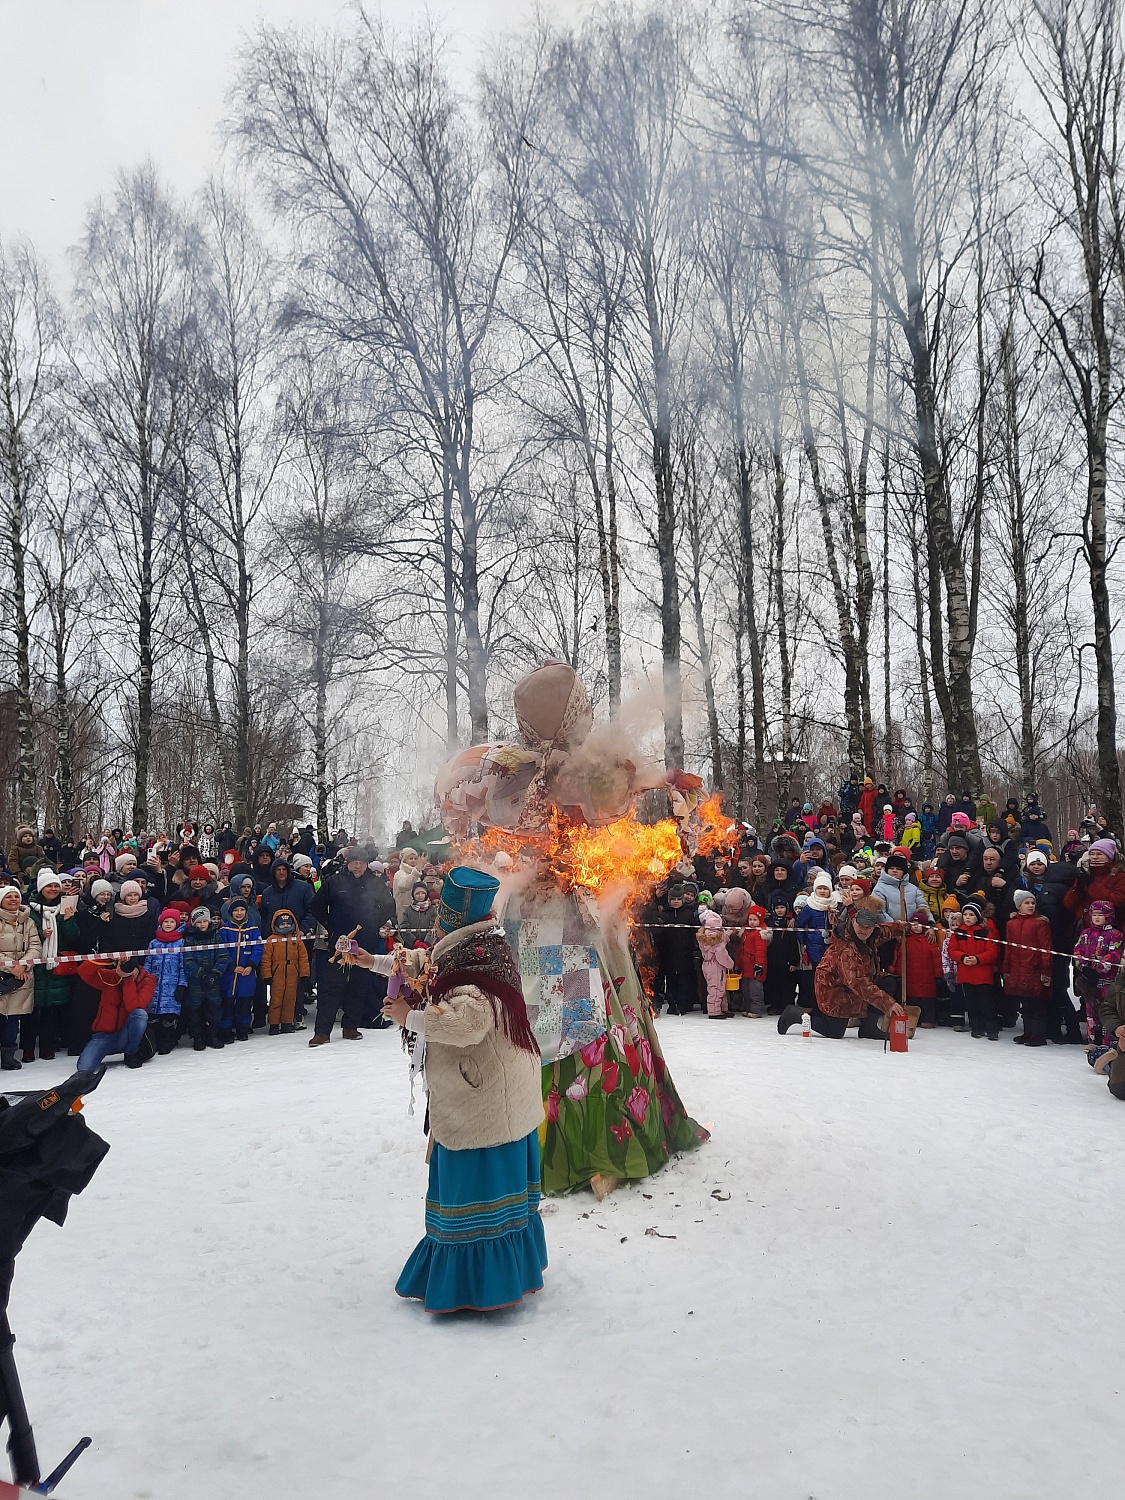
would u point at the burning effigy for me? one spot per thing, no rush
(554, 818)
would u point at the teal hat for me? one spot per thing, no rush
(466, 897)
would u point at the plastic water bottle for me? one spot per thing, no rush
(806, 1024)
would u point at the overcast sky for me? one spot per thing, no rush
(89, 86)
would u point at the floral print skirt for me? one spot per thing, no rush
(612, 1108)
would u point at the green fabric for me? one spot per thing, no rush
(51, 987)
(612, 1108)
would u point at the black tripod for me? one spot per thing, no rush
(47, 1154)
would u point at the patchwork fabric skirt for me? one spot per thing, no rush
(484, 1246)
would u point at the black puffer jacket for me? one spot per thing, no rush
(345, 901)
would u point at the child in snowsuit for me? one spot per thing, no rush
(923, 966)
(285, 966)
(203, 969)
(716, 961)
(165, 962)
(753, 960)
(239, 983)
(887, 826)
(1097, 954)
(1028, 968)
(975, 951)
(734, 907)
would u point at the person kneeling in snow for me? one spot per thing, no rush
(845, 977)
(122, 1017)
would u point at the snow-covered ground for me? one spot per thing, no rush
(886, 1276)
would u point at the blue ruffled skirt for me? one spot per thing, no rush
(484, 1247)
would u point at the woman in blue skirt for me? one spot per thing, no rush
(484, 1247)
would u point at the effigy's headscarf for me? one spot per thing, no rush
(553, 709)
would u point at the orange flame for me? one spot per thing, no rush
(716, 830)
(579, 857)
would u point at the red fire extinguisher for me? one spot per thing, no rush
(896, 1033)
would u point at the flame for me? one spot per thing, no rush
(716, 830)
(584, 858)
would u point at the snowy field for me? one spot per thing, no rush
(886, 1276)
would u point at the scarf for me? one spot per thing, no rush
(123, 909)
(49, 938)
(822, 903)
(168, 937)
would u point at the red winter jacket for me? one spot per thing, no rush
(1027, 966)
(923, 965)
(980, 943)
(753, 954)
(1108, 886)
(120, 997)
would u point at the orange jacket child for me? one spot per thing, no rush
(285, 962)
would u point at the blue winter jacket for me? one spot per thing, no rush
(812, 932)
(247, 949)
(295, 895)
(166, 961)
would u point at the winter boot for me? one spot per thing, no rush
(276, 1030)
(790, 1016)
(1108, 1056)
(242, 1033)
(134, 1059)
(287, 1027)
(9, 1062)
(318, 1039)
(29, 1054)
(199, 1042)
(353, 1035)
(215, 1038)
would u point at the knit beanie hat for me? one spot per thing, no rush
(898, 862)
(847, 872)
(1105, 846)
(1022, 897)
(44, 878)
(711, 920)
(955, 841)
(201, 912)
(199, 872)
(301, 862)
(951, 903)
(705, 898)
(960, 820)
(921, 916)
(1105, 907)
(130, 888)
(171, 914)
(124, 862)
(1037, 857)
(101, 888)
(973, 907)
